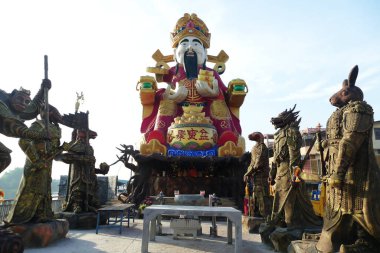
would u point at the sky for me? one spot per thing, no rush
(288, 52)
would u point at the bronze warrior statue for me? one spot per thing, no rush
(15, 108)
(290, 196)
(352, 212)
(82, 183)
(33, 200)
(258, 172)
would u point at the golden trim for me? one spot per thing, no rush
(167, 108)
(154, 146)
(230, 149)
(219, 110)
(157, 70)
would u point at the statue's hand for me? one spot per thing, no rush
(205, 90)
(335, 181)
(46, 83)
(178, 96)
(104, 168)
(54, 115)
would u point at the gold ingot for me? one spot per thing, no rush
(192, 108)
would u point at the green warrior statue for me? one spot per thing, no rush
(290, 196)
(258, 173)
(352, 213)
(33, 199)
(15, 108)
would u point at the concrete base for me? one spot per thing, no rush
(251, 224)
(41, 234)
(10, 242)
(81, 220)
(282, 237)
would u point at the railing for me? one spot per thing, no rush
(6, 205)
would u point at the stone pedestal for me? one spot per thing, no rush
(307, 245)
(10, 242)
(282, 237)
(252, 224)
(302, 246)
(41, 234)
(81, 220)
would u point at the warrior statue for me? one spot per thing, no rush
(258, 173)
(33, 201)
(352, 214)
(82, 184)
(15, 107)
(290, 195)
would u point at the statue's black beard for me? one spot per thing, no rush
(191, 65)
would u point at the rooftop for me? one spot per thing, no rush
(109, 240)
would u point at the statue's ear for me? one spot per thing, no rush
(353, 75)
(345, 83)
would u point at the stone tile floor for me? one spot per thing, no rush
(109, 240)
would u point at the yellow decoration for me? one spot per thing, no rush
(167, 107)
(157, 70)
(237, 89)
(154, 146)
(246, 191)
(241, 143)
(230, 149)
(219, 110)
(147, 87)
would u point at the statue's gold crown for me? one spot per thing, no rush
(190, 25)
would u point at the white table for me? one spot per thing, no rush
(151, 212)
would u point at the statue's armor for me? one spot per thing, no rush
(260, 165)
(83, 181)
(33, 200)
(350, 158)
(259, 172)
(349, 199)
(287, 144)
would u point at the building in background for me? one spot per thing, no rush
(376, 140)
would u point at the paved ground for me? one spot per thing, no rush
(109, 240)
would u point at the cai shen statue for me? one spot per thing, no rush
(196, 114)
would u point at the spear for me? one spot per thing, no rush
(46, 96)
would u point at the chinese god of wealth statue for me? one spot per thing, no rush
(196, 114)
